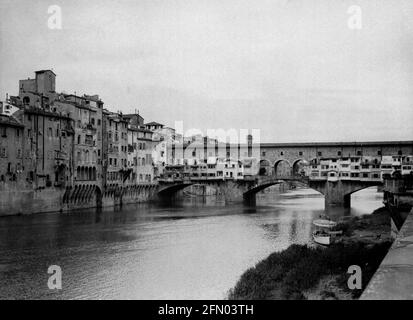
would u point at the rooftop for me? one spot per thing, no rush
(153, 123)
(9, 121)
(45, 70)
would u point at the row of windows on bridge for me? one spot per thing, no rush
(136, 161)
(339, 153)
(114, 176)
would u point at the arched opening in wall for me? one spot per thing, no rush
(78, 174)
(26, 100)
(265, 168)
(282, 168)
(366, 200)
(90, 175)
(299, 167)
(94, 174)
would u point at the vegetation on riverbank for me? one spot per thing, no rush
(303, 272)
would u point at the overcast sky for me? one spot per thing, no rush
(292, 68)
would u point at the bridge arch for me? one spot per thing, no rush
(170, 190)
(359, 188)
(270, 181)
(264, 168)
(282, 167)
(298, 166)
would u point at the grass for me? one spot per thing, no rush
(289, 273)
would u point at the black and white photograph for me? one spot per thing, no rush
(213, 151)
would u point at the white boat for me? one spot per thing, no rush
(322, 237)
(324, 223)
(323, 233)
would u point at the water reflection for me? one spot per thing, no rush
(195, 249)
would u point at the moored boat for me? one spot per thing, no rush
(323, 233)
(321, 237)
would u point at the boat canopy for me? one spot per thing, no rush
(324, 223)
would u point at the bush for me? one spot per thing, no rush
(286, 274)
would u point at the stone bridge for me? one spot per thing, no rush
(337, 193)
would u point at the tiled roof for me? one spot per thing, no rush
(153, 123)
(9, 121)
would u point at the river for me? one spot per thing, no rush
(194, 249)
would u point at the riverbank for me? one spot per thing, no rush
(314, 272)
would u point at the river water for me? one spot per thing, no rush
(194, 249)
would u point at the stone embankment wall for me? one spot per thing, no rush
(21, 199)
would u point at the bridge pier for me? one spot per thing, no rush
(250, 200)
(336, 194)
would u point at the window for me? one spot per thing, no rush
(319, 153)
(379, 152)
(263, 153)
(99, 122)
(78, 139)
(89, 139)
(339, 153)
(359, 153)
(399, 152)
(49, 132)
(92, 121)
(300, 153)
(282, 153)
(4, 132)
